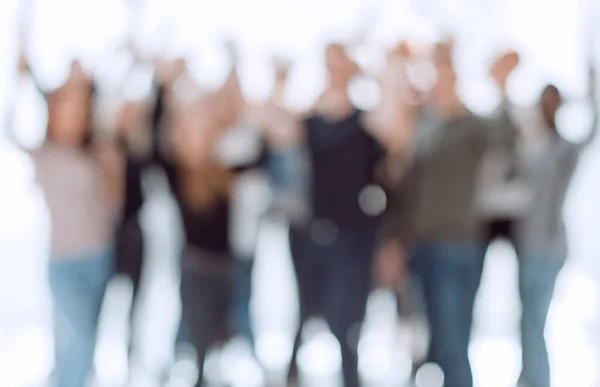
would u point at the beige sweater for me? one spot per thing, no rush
(82, 219)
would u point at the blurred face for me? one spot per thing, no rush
(550, 102)
(339, 66)
(194, 134)
(69, 114)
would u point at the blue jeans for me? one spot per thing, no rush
(285, 168)
(450, 273)
(78, 285)
(241, 323)
(183, 335)
(206, 305)
(334, 281)
(537, 277)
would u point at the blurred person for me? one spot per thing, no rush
(171, 75)
(81, 182)
(285, 134)
(242, 141)
(433, 218)
(395, 114)
(395, 118)
(202, 182)
(134, 134)
(333, 252)
(268, 131)
(168, 73)
(77, 77)
(248, 200)
(548, 168)
(502, 198)
(201, 186)
(144, 128)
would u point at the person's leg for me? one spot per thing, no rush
(243, 292)
(206, 302)
(347, 303)
(307, 280)
(183, 336)
(293, 370)
(537, 277)
(130, 253)
(348, 283)
(451, 275)
(130, 258)
(78, 289)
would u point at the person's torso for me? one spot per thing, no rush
(210, 228)
(81, 217)
(447, 157)
(548, 170)
(502, 195)
(243, 146)
(342, 158)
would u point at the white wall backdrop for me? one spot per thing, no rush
(552, 36)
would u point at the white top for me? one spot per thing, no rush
(500, 195)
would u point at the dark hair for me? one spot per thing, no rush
(550, 88)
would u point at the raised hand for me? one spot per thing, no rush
(23, 63)
(503, 68)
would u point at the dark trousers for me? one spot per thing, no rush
(129, 251)
(499, 229)
(334, 281)
(206, 299)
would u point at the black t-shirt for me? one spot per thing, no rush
(207, 229)
(343, 158)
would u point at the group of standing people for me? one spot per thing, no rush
(328, 169)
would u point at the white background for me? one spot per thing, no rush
(551, 35)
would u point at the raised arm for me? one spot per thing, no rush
(393, 119)
(501, 130)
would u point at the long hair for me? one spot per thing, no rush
(204, 181)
